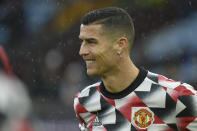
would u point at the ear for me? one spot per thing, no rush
(122, 44)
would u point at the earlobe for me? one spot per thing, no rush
(120, 54)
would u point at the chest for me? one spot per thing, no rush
(132, 112)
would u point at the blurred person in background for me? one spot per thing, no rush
(15, 104)
(72, 80)
(128, 97)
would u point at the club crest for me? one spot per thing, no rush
(143, 118)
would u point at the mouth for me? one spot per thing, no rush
(89, 62)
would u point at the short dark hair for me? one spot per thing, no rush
(113, 19)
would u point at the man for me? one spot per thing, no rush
(128, 98)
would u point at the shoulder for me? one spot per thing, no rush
(170, 84)
(86, 90)
(86, 100)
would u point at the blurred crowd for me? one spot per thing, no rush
(41, 40)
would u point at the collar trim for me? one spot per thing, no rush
(139, 79)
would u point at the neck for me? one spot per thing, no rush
(121, 78)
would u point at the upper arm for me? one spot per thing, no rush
(186, 110)
(78, 110)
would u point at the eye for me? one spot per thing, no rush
(91, 41)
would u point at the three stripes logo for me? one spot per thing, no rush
(96, 122)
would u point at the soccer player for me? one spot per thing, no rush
(128, 98)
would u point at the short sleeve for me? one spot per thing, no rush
(79, 109)
(186, 109)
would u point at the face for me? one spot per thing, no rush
(97, 50)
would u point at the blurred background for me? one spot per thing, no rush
(41, 41)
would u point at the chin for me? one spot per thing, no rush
(92, 73)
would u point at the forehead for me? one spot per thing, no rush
(92, 30)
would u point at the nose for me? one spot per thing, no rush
(83, 49)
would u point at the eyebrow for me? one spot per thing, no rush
(88, 39)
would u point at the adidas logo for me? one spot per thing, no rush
(96, 122)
